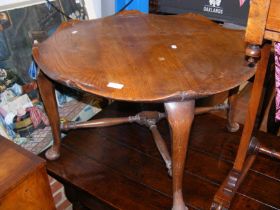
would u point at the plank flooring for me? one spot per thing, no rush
(120, 168)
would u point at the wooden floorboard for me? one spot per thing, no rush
(222, 145)
(117, 191)
(120, 165)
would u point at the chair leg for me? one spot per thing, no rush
(252, 108)
(47, 92)
(222, 199)
(180, 117)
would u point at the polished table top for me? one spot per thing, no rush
(144, 57)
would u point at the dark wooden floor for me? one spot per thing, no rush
(121, 168)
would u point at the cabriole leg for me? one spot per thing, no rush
(180, 116)
(232, 126)
(47, 92)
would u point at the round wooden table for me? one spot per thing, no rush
(144, 58)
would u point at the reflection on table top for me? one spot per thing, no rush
(140, 57)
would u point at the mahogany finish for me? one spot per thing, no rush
(218, 107)
(47, 93)
(160, 61)
(119, 167)
(273, 22)
(149, 119)
(263, 25)
(162, 147)
(256, 147)
(152, 57)
(232, 126)
(252, 107)
(180, 131)
(23, 179)
(257, 21)
(263, 21)
(96, 123)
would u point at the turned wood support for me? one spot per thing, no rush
(105, 122)
(229, 187)
(253, 53)
(146, 118)
(180, 117)
(256, 147)
(47, 92)
(149, 119)
(162, 147)
(227, 190)
(218, 107)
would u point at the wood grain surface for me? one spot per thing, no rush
(262, 27)
(144, 57)
(273, 19)
(257, 21)
(23, 179)
(15, 164)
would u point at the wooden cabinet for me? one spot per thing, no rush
(23, 179)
